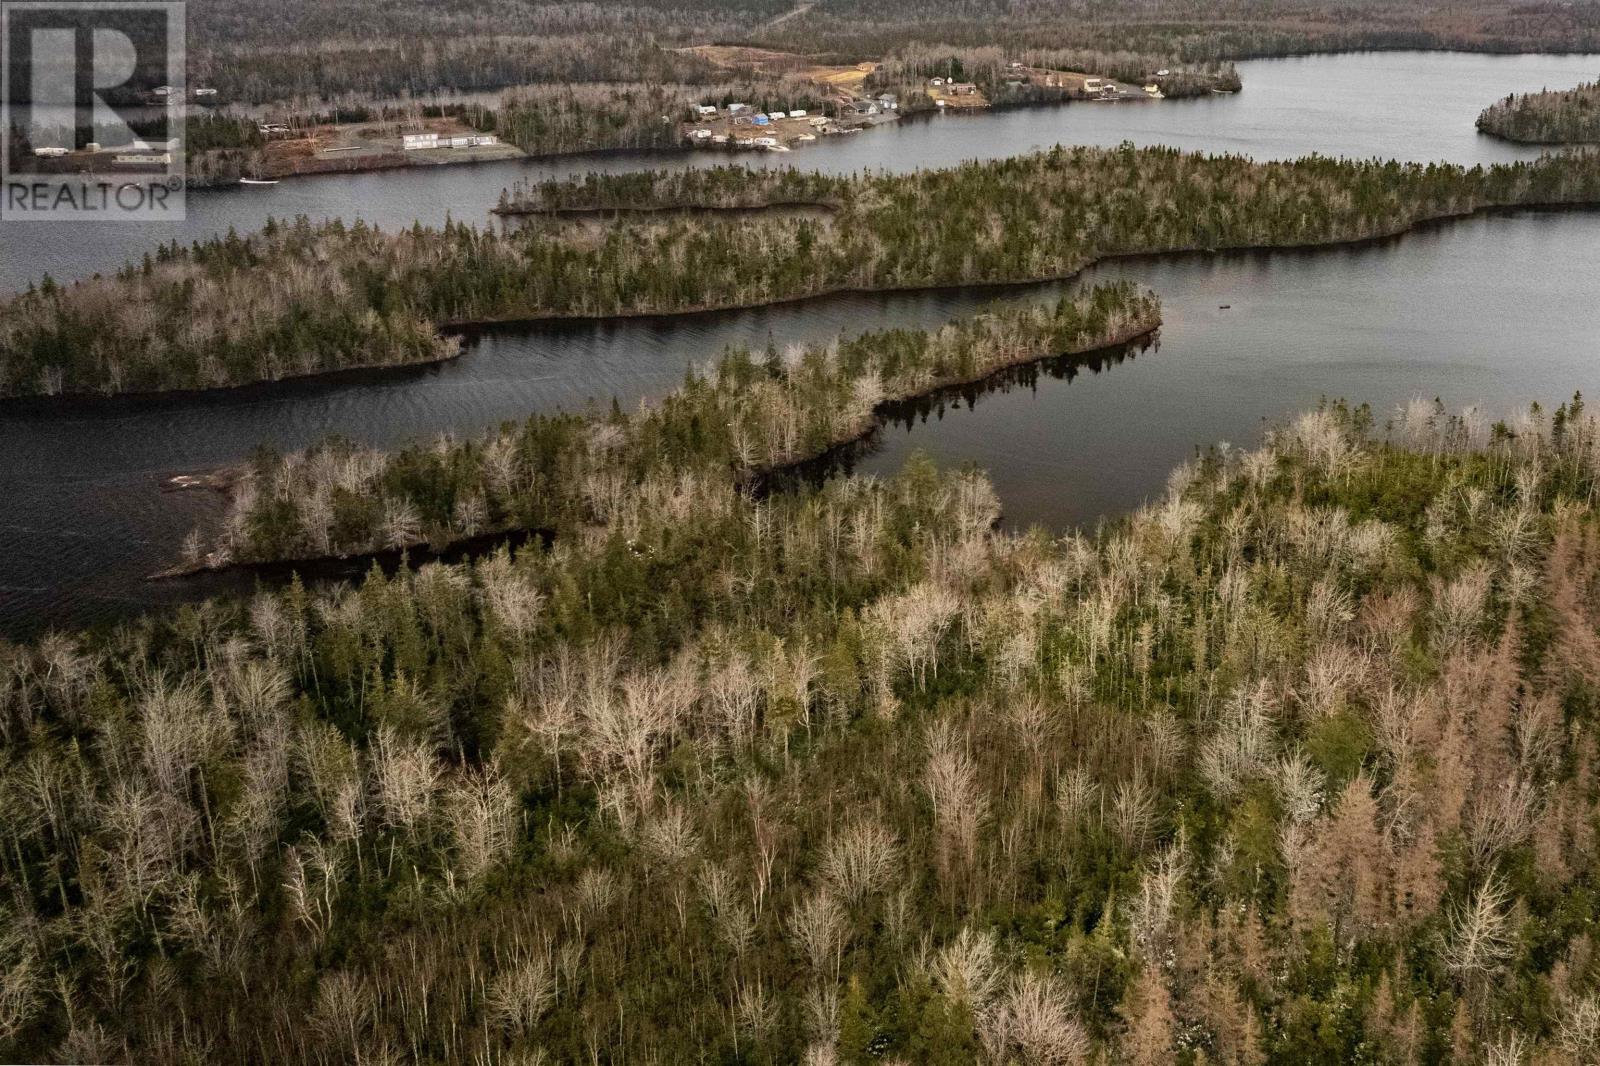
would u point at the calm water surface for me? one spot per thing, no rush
(1497, 311)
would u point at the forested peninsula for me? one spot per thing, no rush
(748, 415)
(1295, 765)
(1567, 116)
(306, 298)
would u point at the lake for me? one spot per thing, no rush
(1498, 311)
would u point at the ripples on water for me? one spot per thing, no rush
(1497, 311)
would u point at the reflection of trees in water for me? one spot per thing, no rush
(907, 414)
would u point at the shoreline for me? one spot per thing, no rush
(519, 156)
(336, 566)
(244, 390)
(594, 211)
(1535, 142)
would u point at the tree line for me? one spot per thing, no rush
(989, 67)
(305, 298)
(1294, 765)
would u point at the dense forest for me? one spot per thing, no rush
(313, 51)
(1567, 116)
(1296, 765)
(304, 298)
(1194, 31)
(750, 414)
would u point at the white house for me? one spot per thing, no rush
(706, 109)
(410, 142)
(797, 114)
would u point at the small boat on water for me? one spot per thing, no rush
(258, 181)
